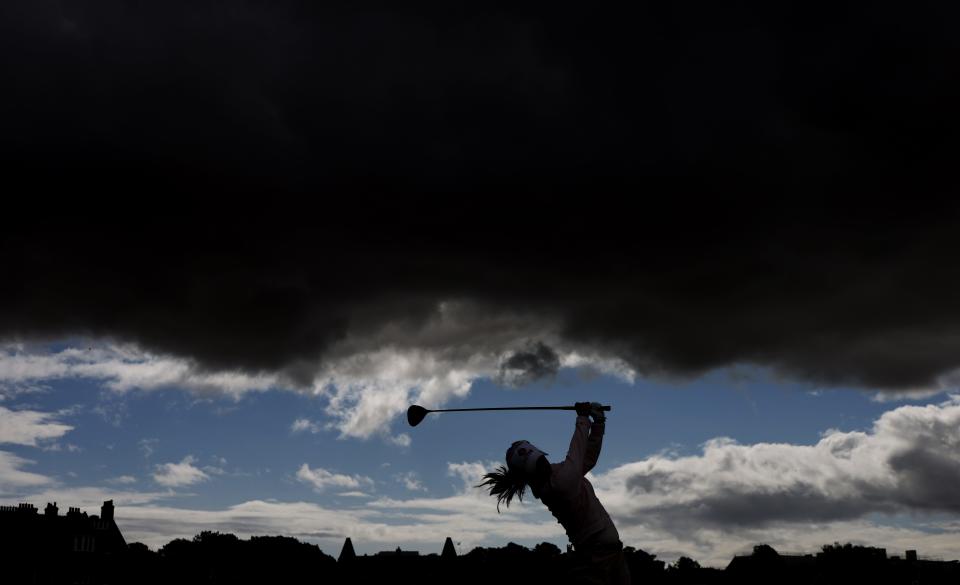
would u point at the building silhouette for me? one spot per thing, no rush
(49, 546)
(349, 554)
(836, 563)
(398, 553)
(74, 548)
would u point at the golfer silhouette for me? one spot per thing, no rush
(562, 487)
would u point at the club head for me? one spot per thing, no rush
(415, 414)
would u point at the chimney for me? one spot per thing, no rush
(51, 509)
(106, 511)
(911, 556)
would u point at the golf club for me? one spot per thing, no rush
(416, 414)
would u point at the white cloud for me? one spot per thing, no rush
(147, 447)
(125, 367)
(87, 497)
(909, 462)
(122, 480)
(366, 390)
(321, 479)
(13, 389)
(906, 395)
(57, 447)
(605, 365)
(303, 425)
(218, 467)
(27, 427)
(179, 474)
(467, 500)
(468, 515)
(411, 481)
(13, 478)
(400, 440)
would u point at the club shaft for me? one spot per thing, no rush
(510, 408)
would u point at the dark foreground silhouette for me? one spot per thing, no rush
(565, 490)
(77, 548)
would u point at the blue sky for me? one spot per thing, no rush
(183, 457)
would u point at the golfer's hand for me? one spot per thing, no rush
(596, 412)
(583, 408)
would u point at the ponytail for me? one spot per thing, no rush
(504, 483)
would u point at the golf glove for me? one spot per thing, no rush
(583, 408)
(596, 412)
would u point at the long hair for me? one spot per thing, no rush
(505, 484)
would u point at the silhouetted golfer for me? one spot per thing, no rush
(568, 495)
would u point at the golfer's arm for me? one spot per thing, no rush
(578, 447)
(594, 443)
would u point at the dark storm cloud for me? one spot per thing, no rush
(684, 187)
(734, 510)
(530, 364)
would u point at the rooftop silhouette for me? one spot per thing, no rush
(80, 548)
(53, 547)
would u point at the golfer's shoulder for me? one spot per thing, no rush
(564, 476)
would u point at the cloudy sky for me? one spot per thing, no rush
(244, 237)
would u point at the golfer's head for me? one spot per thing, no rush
(522, 458)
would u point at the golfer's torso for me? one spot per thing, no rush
(576, 507)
